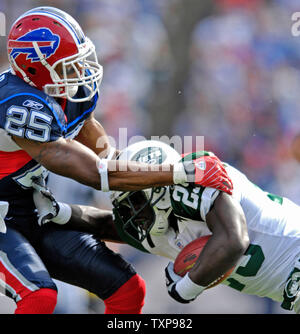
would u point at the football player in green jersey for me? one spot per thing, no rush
(251, 230)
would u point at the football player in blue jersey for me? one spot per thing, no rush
(47, 98)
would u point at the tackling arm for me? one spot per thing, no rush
(71, 159)
(93, 220)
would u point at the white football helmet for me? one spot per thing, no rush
(140, 213)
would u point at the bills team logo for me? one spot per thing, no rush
(43, 38)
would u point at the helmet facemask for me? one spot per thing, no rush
(155, 209)
(140, 213)
(77, 70)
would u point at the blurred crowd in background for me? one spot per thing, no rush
(240, 90)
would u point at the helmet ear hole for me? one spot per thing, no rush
(31, 70)
(57, 23)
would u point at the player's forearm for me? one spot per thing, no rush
(129, 175)
(122, 175)
(227, 244)
(215, 261)
(71, 159)
(93, 220)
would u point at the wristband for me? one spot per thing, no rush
(187, 289)
(64, 214)
(102, 168)
(179, 174)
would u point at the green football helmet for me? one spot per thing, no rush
(140, 214)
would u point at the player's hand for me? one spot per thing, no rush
(45, 202)
(206, 171)
(291, 292)
(210, 172)
(171, 281)
(297, 304)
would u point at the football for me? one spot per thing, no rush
(187, 258)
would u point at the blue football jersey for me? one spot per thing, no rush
(27, 112)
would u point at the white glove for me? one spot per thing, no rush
(182, 289)
(297, 304)
(47, 207)
(3, 213)
(291, 293)
(45, 202)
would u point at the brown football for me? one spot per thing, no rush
(188, 256)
